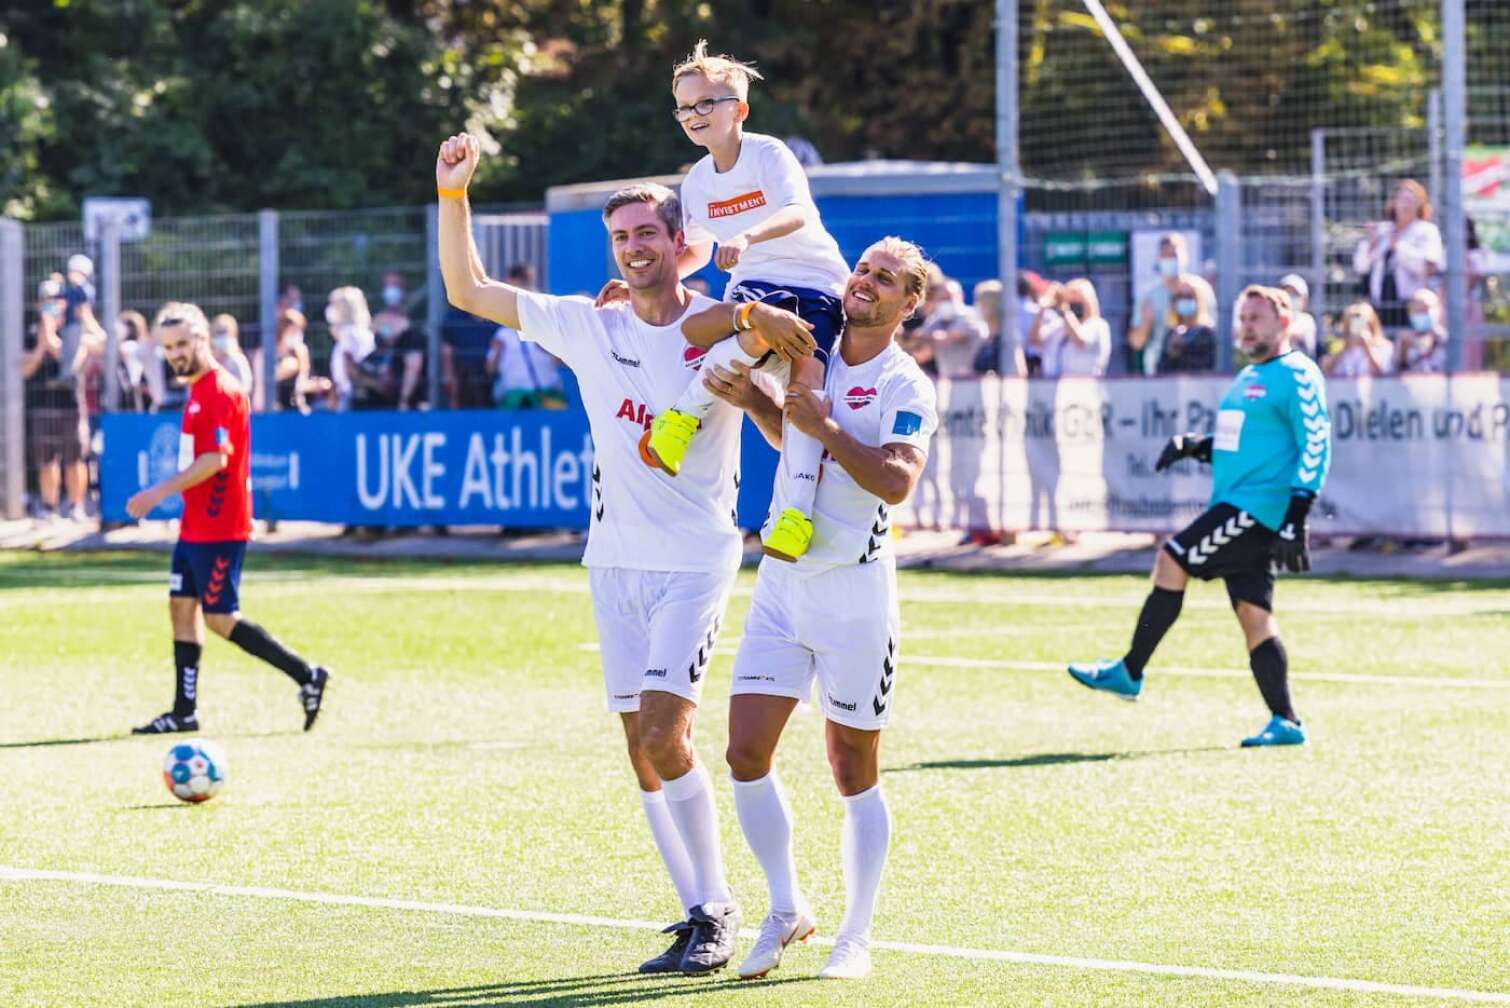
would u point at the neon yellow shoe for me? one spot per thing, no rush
(664, 445)
(789, 537)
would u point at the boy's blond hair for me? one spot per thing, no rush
(737, 74)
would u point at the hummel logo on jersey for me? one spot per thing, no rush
(738, 205)
(635, 413)
(1255, 391)
(859, 398)
(692, 358)
(841, 704)
(193, 408)
(658, 673)
(626, 361)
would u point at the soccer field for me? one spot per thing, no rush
(462, 828)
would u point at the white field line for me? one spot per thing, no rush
(15, 874)
(945, 661)
(1411, 608)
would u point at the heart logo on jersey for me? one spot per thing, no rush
(1255, 391)
(692, 358)
(859, 398)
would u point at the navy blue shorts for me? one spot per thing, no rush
(209, 572)
(824, 312)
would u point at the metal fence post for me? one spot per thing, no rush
(110, 307)
(12, 423)
(267, 305)
(1318, 300)
(1455, 129)
(1008, 174)
(435, 303)
(1229, 250)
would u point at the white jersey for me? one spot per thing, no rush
(765, 178)
(643, 519)
(886, 400)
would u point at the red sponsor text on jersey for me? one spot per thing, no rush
(635, 413)
(692, 358)
(217, 417)
(858, 398)
(738, 205)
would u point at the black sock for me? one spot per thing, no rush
(1160, 610)
(186, 685)
(1271, 670)
(254, 640)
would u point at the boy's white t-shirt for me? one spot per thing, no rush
(766, 178)
(628, 370)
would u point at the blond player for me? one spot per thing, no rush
(833, 615)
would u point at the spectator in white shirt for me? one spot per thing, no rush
(1367, 351)
(352, 337)
(1070, 334)
(1400, 254)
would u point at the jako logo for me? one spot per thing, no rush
(635, 413)
(858, 397)
(692, 358)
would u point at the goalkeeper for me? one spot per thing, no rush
(1269, 456)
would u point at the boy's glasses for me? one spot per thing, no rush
(702, 108)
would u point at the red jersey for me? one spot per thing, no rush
(217, 418)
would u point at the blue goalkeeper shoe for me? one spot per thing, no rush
(1111, 676)
(1279, 731)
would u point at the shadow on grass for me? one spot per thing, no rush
(159, 805)
(564, 992)
(41, 743)
(1050, 759)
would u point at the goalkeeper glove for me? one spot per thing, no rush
(1183, 446)
(1292, 546)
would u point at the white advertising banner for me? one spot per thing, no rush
(1419, 455)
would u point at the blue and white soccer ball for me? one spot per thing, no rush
(195, 770)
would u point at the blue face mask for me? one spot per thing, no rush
(1420, 323)
(392, 295)
(1186, 307)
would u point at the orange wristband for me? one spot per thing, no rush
(742, 316)
(451, 193)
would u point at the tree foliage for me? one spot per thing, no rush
(207, 105)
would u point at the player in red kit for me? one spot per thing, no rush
(214, 461)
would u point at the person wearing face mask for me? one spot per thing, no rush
(1302, 323)
(1190, 343)
(54, 418)
(1424, 348)
(1145, 340)
(405, 341)
(352, 340)
(225, 347)
(1072, 337)
(1366, 351)
(1400, 254)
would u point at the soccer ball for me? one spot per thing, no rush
(195, 770)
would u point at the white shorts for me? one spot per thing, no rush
(656, 630)
(841, 626)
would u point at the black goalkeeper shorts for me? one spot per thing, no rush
(1229, 544)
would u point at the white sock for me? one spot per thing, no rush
(689, 799)
(669, 842)
(867, 834)
(767, 824)
(695, 398)
(797, 475)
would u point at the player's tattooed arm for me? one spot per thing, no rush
(890, 471)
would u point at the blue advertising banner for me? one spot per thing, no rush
(522, 469)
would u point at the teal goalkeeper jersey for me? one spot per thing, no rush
(1273, 437)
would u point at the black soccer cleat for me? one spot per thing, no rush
(670, 961)
(714, 928)
(167, 724)
(312, 693)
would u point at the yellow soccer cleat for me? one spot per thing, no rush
(664, 445)
(789, 537)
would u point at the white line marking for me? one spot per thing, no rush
(944, 661)
(16, 874)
